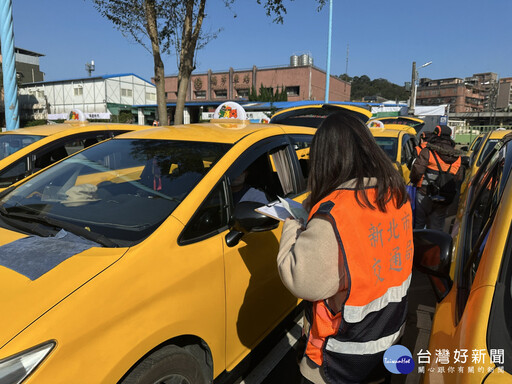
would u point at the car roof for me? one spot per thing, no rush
(499, 133)
(228, 132)
(52, 129)
(384, 132)
(313, 114)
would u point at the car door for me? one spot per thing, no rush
(461, 318)
(256, 300)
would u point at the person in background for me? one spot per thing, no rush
(242, 191)
(424, 137)
(425, 170)
(352, 261)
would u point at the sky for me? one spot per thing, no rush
(460, 37)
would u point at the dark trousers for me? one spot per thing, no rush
(429, 214)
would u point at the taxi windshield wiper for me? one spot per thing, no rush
(73, 228)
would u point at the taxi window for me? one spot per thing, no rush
(10, 143)
(475, 145)
(208, 220)
(482, 205)
(389, 145)
(14, 172)
(121, 190)
(408, 144)
(301, 145)
(485, 150)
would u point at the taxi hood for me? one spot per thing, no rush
(37, 273)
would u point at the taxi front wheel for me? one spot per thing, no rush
(170, 364)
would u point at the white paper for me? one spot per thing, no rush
(283, 209)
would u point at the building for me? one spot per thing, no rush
(301, 81)
(504, 100)
(27, 65)
(99, 97)
(488, 83)
(461, 95)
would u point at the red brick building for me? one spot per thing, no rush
(305, 82)
(461, 95)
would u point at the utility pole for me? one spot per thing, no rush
(328, 74)
(412, 102)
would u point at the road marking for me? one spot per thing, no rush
(263, 369)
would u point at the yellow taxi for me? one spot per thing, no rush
(142, 258)
(398, 142)
(27, 150)
(475, 144)
(482, 148)
(470, 339)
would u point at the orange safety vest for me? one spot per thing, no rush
(419, 147)
(433, 169)
(377, 251)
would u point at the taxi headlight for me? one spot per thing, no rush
(15, 369)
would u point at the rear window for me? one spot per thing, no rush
(388, 145)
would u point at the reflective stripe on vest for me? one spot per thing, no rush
(377, 250)
(354, 314)
(365, 348)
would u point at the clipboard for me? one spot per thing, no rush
(283, 209)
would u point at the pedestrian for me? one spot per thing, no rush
(436, 172)
(352, 261)
(424, 137)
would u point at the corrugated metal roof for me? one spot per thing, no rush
(88, 78)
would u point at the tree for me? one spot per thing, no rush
(171, 22)
(363, 86)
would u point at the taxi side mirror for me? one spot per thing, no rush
(464, 161)
(245, 219)
(432, 256)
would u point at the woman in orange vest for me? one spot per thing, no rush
(352, 262)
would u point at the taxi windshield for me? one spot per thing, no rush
(388, 145)
(10, 143)
(121, 189)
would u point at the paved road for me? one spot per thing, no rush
(278, 365)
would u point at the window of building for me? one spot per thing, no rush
(221, 93)
(78, 91)
(200, 94)
(242, 93)
(40, 94)
(151, 96)
(293, 91)
(125, 92)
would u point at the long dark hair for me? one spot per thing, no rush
(343, 149)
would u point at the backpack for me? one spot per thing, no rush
(443, 189)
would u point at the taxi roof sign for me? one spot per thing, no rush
(230, 110)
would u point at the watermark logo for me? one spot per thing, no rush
(398, 359)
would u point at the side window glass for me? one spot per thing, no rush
(262, 180)
(476, 229)
(13, 173)
(301, 147)
(208, 219)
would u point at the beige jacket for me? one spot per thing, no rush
(309, 266)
